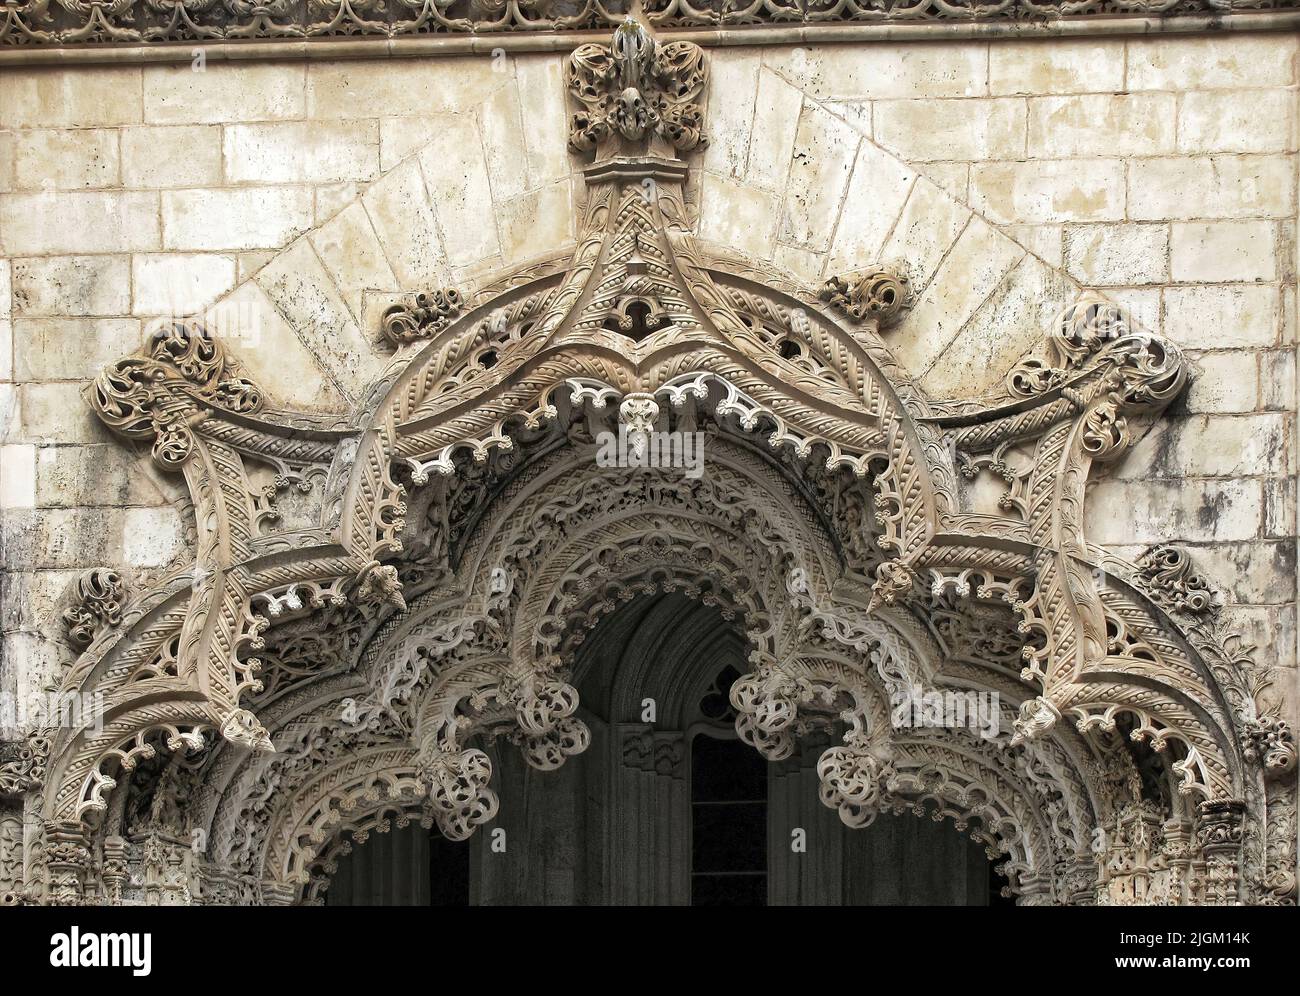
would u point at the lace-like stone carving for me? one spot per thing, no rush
(853, 783)
(156, 393)
(431, 313)
(458, 792)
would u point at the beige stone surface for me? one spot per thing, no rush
(1043, 191)
(923, 130)
(171, 156)
(71, 222)
(1083, 65)
(179, 284)
(302, 152)
(1211, 187)
(967, 277)
(224, 93)
(1105, 255)
(302, 291)
(350, 251)
(1203, 317)
(824, 150)
(90, 97)
(71, 285)
(86, 158)
(1222, 251)
(234, 218)
(1102, 125)
(1205, 62)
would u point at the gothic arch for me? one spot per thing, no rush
(462, 536)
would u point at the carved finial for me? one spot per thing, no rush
(636, 90)
(430, 314)
(153, 394)
(876, 292)
(100, 594)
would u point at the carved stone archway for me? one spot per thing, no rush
(294, 685)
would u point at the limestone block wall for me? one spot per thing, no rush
(290, 202)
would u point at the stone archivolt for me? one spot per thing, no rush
(296, 687)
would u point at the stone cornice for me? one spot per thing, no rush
(70, 31)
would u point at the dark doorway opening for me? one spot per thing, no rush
(407, 866)
(728, 824)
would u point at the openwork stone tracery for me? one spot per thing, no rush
(309, 678)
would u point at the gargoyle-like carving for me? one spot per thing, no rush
(380, 585)
(429, 315)
(158, 393)
(100, 594)
(1165, 573)
(876, 292)
(1037, 715)
(1268, 741)
(636, 88)
(242, 728)
(894, 580)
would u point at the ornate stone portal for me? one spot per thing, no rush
(295, 684)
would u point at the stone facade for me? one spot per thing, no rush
(291, 203)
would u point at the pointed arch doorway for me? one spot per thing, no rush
(668, 806)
